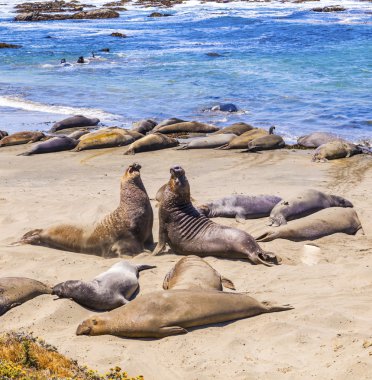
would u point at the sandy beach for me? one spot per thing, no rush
(328, 334)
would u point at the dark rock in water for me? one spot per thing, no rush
(158, 14)
(49, 7)
(105, 50)
(330, 8)
(3, 134)
(117, 34)
(4, 45)
(96, 14)
(226, 107)
(214, 55)
(115, 3)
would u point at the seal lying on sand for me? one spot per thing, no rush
(171, 312)
(334, 150)
(73, 122)
(208, 142)
(237, 129)
(16, 290)
(21, 138)
(144, 126)
(241, 142)
(127, 230)
(186, 127)
(172, 120)
(323, 223)
(55, 144)
(305, 203)
(192, 272)
(154, 141)
(78, 133)
(107, 291)
(240, 206)
(315, 139)
(190, 233)
(265, 143)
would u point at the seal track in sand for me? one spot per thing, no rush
(102, 152)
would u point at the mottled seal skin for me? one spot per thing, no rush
(323, 223)
(151, 142)
(190, 233)
(236, 128)
(144, 126)
(171, 312)
(186, 127)
(305, 203)
(109, 290)
(21, 138)
(315, 139)
(334, 150)
(55, 144)
(208, 142)
(172, 120)
(241, 142)
(194, 273)
(3, 134)
(240, 206)
(73, 122)
(265, 143)
(127, 230)
(16, 290)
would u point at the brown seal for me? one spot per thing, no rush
(186, 127)
(236, 128)
(127, 230)
(171, 312)
(188, 232)
(154, 141)
(21, 138)
(333, 150)
(241, 142)
(267, 142)
(192, 272)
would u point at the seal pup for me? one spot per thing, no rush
(55, 144)
(190, 233)
(107, 291)
(151, 142)
(265, 143)
(192, 272)
(335, 149)
(16, 290)
(316, 139)
(171, 312)
(73, 122)
(240, 206)
(186, 127)
(208, 142)
(304, 203)
(127, 230)
(21, 138)
(323, 223)
(236, 128)
(241, 142)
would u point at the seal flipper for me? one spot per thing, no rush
(141, 267)
(266, 236)
(171, 330)
(227, 283)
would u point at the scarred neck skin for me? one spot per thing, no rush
(177, 193)
(130, 183)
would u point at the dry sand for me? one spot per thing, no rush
(327, 336)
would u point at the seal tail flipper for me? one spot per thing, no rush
(171, 330)
(159, 249)
(227, 283)
(30, 237)
(240, 219)
(266, 236)
(273, 309)
(25, 154)
(223, 147)
(141, 267)
(183, 147)
(129, 152)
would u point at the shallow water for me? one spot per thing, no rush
(281, 64)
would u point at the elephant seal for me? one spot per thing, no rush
(144, 126)
(316, 139)
(171, 312)
(240, 206)
(21, 138)
(186, 127)
(172, 120)
(55, 144)
(3, 134)
(323, 223)
(304, 203)
(225, 107)
(78, 133)
(150, 142)
(127, 230)
(265, 143)
(16, 290)
(236, 128)
(73, 122)
(107, 291)
(241, 142)
(194, 273)
(333, 150)
(190, 233)
(208, 142)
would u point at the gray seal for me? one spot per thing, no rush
(73, 122)
(55, 144)
(144, 126)
(208, 142)
(315, 139)
(107, 291)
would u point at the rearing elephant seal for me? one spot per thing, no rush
(108, 290)
(16, 290)
(171, 312)
(192, 272)
(127, 230)
(190, 233)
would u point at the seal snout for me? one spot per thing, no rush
(135, 167)
(177, 171)
(83, 329)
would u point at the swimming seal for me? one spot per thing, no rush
(73, 122)
(127, 230)
(55, 144)
(16, 290)
(304, 203)
(333, 150)
(190, 233)
(192, 272)
(109, 290)
(21, 138)
(150, 142)
(171, 312)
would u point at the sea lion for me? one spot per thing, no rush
(315, 139)
(127, 230)
(323, 223)
(265, 143)
(190, 233)
(73, 122)
(186, 127)
(172, 120)
(241, 142)
(171, 312)
(16, 290)
(192, 272)
(150, 142)
(55, 144)
(144, 126)
(109, 290)
(208, 142)
(225, 107)
(304, 203)
(236, 128)
(3, 134)
(333, 150)
(240, 206)
(21, 138)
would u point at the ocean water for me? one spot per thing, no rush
(280, 63)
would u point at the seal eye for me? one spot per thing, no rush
(94, 321)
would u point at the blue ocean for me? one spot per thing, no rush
(281, 63)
